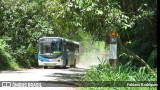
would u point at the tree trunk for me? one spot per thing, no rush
(133, 54)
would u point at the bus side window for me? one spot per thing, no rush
(77, 48)
(67, 46)
(72, 47)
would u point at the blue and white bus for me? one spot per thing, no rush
(57, 51)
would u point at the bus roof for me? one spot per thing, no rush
(51, 37)
(71, 41)
(76, 42)
(60, 38)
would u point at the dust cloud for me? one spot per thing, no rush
(93, 58)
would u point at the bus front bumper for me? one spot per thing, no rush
(50, 63)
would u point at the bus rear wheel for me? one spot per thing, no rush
(45, 67)
(64, 67)
(74, 65)
(66, 64)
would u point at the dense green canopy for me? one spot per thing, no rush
(23, 22)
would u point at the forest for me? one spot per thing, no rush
(23, 22)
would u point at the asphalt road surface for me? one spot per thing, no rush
(52, 77)
(46, 75)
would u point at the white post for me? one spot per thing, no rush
(113, 49)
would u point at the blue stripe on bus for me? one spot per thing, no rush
(43, 59)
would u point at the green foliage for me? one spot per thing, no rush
(121, 73)
(87, 44)
(21, 57)
(32, 55)
(25, 21)
(141, 37)
(104, 72)
(6, 59)
(153, 59)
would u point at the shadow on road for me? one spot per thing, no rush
(59, 83)
(70, 74)
(66, 78)
(56, 67)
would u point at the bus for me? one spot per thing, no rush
(57, 51)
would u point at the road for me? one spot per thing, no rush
(45, 75)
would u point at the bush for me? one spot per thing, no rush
(120, 73)
(6, 59)
(152, 61)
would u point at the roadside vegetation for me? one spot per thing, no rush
(23, 22)
(7, 61)
(102, 77)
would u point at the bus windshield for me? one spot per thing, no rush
(56, 46)
(53, 47)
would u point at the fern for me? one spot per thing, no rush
(6, 59)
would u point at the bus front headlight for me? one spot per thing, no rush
(60, 60)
